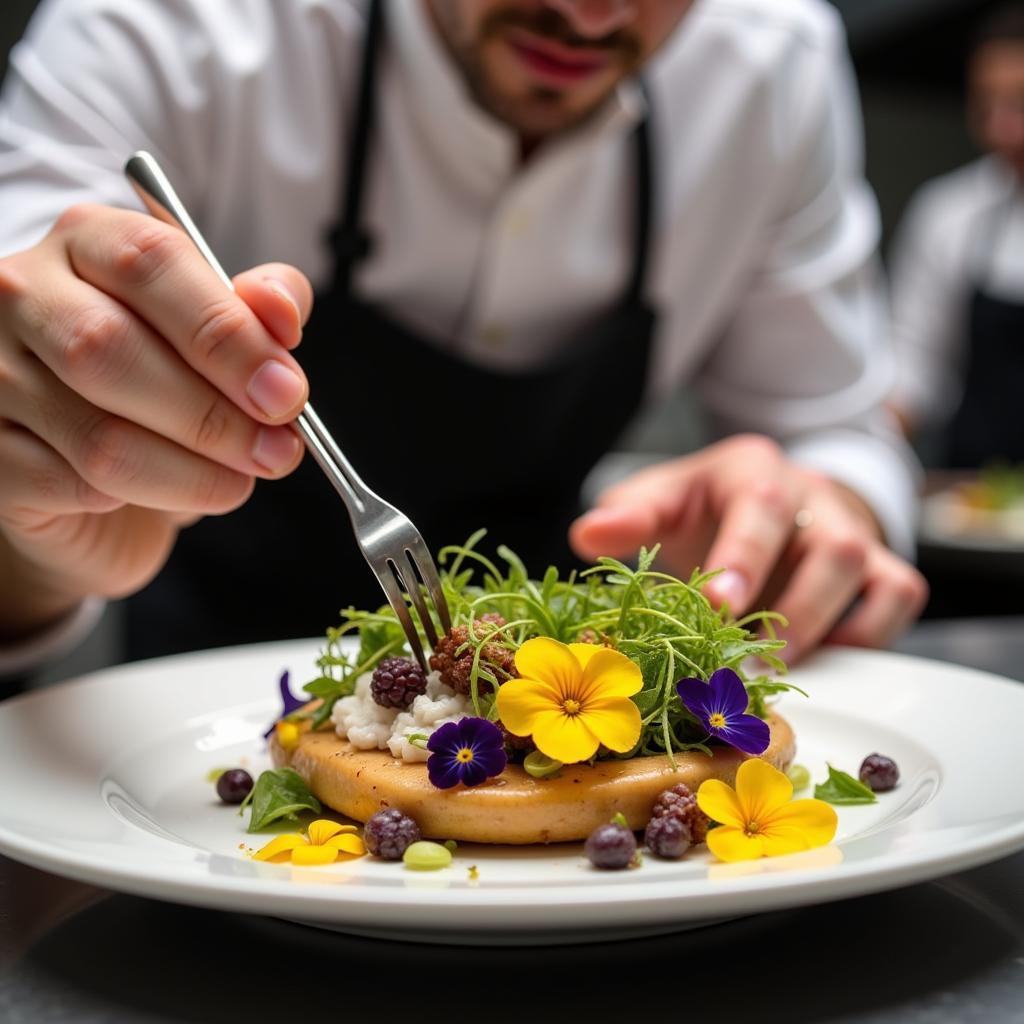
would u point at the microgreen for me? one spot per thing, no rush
(663, 624)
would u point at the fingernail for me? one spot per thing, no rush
(730, 587)
(276, 389)
(281, 289)
(275, 448)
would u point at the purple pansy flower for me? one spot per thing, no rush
(468, 751)
(289, 702)
(721, 706)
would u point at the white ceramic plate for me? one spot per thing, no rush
(103, 780)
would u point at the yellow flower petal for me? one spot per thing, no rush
(521, 700)
(761, 789)
(347, 844)
(306, 856)
(733, 844)
(563, 737)
(615, 721)
(549, 662)
(322, 829)
(584, 652)
(720, 803)
(783, 841)
(279, 849)
(611, 674)
(814, 819)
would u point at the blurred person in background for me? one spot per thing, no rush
(958, 273)
(513, 244)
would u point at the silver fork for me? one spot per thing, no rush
(393, 547)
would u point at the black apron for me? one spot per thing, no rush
(989, 422)
(455, 446)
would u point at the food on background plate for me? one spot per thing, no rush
(988, 505)
(551, 707)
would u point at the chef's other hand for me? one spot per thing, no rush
(787, 538)
(137, 393)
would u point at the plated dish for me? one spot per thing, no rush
(106, 779)
(983, 510)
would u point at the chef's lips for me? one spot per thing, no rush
(544, 38)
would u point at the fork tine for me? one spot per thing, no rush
(420, 556)
(391, 581)
(415, 592)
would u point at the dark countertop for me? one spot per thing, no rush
(945, 952)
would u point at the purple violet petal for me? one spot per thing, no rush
(729, 694)
(444, 771)
(696, 695)
(474, 772)
(289, 702)
(447, 739)
(747, 733)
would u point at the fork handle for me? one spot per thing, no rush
(159, 197)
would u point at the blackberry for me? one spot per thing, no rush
(681, 803)
(389, 832)
(879, 773)
(456, 668)
(610, 847)
(668, 836)
(397, 682)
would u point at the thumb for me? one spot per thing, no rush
(280, 296)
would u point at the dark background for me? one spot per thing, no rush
(909, 55)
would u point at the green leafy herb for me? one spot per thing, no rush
(664, 624)
(278, 793)
(843, 789)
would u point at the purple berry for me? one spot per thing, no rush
(389, 832)
(879, 773)
(234, 785)
(680, 802)
(668, 836)
(611, 847)
(397, 682)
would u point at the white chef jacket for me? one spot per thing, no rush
(962, 231)
(764, 271)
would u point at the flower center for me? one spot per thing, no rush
(572, 707)
(717, 720)
(752, 829)
(465, 755)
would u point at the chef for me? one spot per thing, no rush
(958, 272)
(498, 228)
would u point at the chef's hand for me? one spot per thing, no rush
(787, 537)
(136, 394)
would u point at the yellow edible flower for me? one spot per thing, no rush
(759, 818)
(571, 699)
(325, 842)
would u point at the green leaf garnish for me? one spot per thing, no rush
(663, 624)
(278, 793)
(843, 789)
(540, 766)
